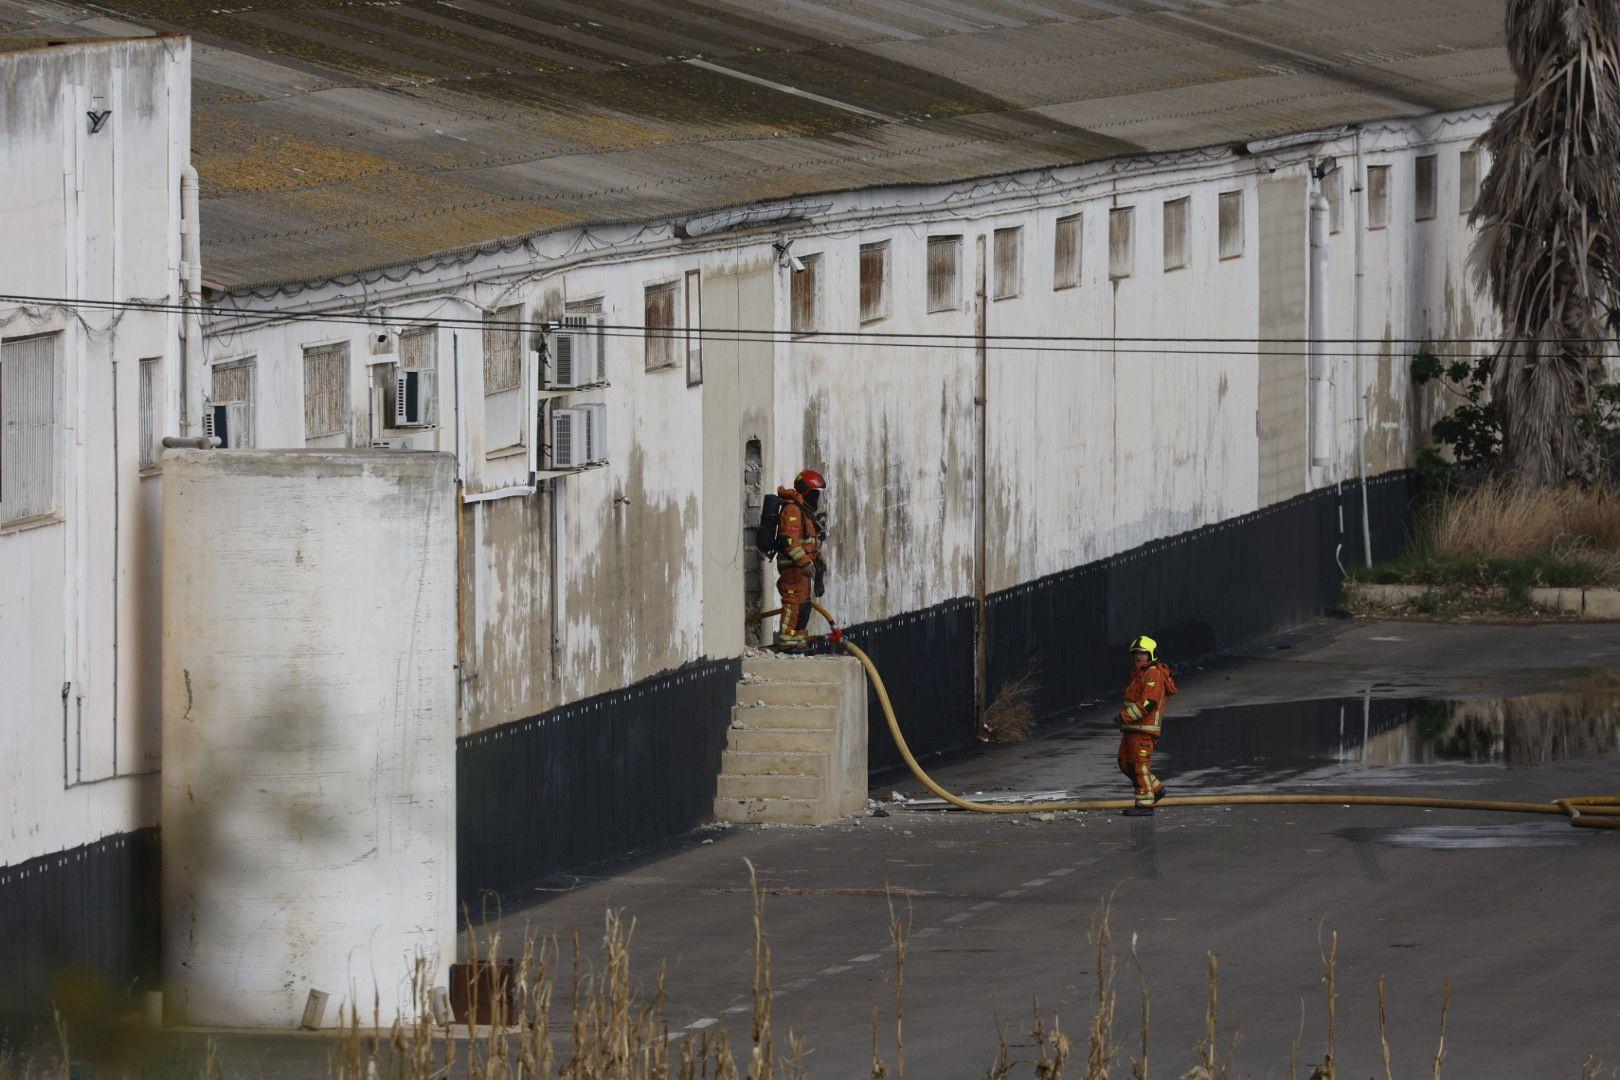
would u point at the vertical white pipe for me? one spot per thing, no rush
(1321, 383)
(191, 354)
(1361, 394)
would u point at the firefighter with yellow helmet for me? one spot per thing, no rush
(1141, 721)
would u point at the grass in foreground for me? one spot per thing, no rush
(603, 1027)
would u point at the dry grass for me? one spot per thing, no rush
(1501, 521)
(609, 1030)
(1012, 716)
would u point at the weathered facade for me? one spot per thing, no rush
(1043, 321)
(1145, 376)
(90, 206)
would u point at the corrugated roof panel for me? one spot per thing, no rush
(334, 137)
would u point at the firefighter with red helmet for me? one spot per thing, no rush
(1141, 721)
(800, 568)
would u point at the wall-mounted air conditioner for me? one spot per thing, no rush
(577, 353)
(227, 422)
(595, 424)
(413, 396)
(568, 438)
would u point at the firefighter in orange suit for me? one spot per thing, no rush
(799, 565)
(1141, 720)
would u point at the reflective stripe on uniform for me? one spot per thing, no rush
(1134, 710)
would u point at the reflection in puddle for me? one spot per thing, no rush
(1260, 742)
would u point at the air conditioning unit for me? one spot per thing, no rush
(595, 432)
(227, 422)
(578, 353)
(568, 438)
(413, 399)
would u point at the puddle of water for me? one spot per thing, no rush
(1473, 837)
(1253, 743)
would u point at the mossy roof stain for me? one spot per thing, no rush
(336, 136)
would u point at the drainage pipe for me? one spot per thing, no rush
(191, 333)
(1320, 373)
(1359, 191)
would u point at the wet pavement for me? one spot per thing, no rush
(1520, 915)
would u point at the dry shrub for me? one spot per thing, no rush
(1011, 717)
(1505, 521)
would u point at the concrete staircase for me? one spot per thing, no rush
(796, 754)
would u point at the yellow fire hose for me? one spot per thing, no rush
(1584, 811)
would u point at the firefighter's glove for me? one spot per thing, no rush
(821, 579)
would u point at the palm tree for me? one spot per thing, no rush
(1548, 249)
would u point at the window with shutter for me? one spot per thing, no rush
(1230, 225)
(151, 411)
(1176, 214)
(1121, 242)
(503, 351)
(1066, 253)
(326, 390)
(1008, 256)
(1424, 186)
(29, 445)
(419, 352)
(944, 273)
(233, 384)
(1377, 196)
(874, 273)
(658, 335)
(805, 296)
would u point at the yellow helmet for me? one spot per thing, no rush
(1147, 645)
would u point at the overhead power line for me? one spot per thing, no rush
(1000, 342)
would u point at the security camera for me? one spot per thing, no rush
(797, 264)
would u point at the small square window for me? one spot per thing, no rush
(1176, 213)
(658, 326)
(1468, 180)
(874, 281)
(804, 308)
(1121, 242)
(1377, 196)
(1009, 262)
(1230, 224)
(1066, 253)
(1424, 178)
(944, 273)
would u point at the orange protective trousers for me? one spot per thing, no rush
(794, 586)
(1136, 762)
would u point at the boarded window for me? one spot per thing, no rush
(503, 350)
(874, 281)
(1121, 244)
(28, 439)
(151, 411)
(1230, 224)
(1333, 191)
(1468, 180)
(1008, 253)
(658, 322)
(1176, 213)
(233, 384)
(1066, 253)
(944, 273)
(805, 289)
(1425, 187)
(419, 352)
(1377, 196)
(326, 390)
(694, 327)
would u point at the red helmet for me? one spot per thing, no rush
(809, 481)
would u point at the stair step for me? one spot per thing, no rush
(775, 811)
(763, 717)
(801, 740)
(777, 692)
(769, 787)
(773, 763)
(791, 669)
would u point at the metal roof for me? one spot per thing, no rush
(334, 136)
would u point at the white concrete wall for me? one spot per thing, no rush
(309, 732)
(93, 215)
(1095, 445)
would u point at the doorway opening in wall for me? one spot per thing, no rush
(753, 496)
